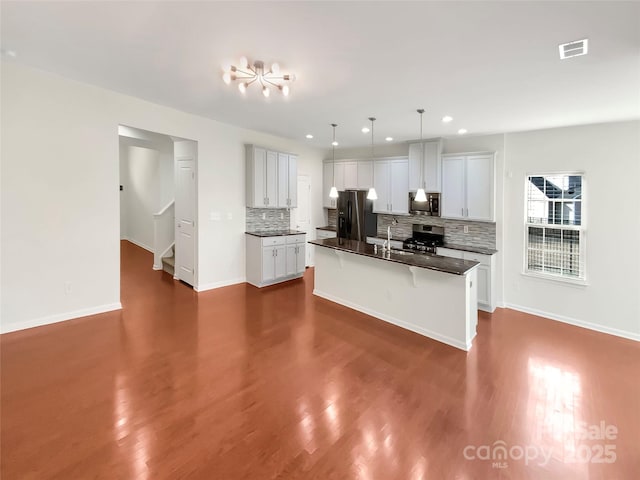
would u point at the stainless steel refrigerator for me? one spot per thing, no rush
(356, 219)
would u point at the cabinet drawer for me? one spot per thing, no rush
(478, 257)
(270, 241)
(295, 239)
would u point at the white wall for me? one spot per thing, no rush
(609, 154)
(142, 176)
(60, 198)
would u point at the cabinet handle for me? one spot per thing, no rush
(462, 212)
(467, 212)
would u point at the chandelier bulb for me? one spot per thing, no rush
(226, 78)
(242, 87)
(275, 69)
(285, 90)
(265, 91)
(244, 63)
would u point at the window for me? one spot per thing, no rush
(555, 227)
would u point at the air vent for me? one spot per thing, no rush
(574, 49)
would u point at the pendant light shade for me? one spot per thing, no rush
(333, 192)
(372, 194)
(421, 195)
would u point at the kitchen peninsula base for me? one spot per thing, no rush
(433, 303)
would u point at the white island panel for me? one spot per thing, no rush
(436, 304)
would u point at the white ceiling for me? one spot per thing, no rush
(493, 66)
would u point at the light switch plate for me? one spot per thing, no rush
(214, 216)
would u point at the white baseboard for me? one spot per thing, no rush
(225, 283)
(139, 244)
(408, 326)
(157, 267)
(61, 317)
(575, 322)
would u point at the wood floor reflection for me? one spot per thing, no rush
(275, 383)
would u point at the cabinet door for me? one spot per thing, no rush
(301, 258)
(281, 261)
(350, 175)
(479, 183)
(268, 264)
(415, 164)
(453, 200)
(339, 177)
(293, 181)
(327, 181)
(399, 201)
(271, 182)
(258, 182)
(292, 251)
(283, 180)
(484, 282)
(365, 174)
(381, 181)
(432, 166)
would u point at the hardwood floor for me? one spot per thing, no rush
(278, 384)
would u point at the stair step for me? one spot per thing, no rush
(169, 260)
(168, 264)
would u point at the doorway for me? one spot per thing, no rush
(158, 210)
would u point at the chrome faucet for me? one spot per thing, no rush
(394, 221)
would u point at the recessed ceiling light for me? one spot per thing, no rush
(574, 49)
(365, 130)
(334, 143)
(447, 119)
(309, 136)
(389, 139)
(462, 131)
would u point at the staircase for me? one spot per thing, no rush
(169, 262)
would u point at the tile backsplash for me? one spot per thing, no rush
(272, 220)
(332, 217)
(481, 234)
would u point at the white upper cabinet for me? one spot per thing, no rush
(287, 180)
(430, 161)
(391, 181)
(350, 175)
(365, 174)
(271, 178)
(468, 190)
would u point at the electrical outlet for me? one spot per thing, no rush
(281, 215)
(466, 229)
(264, 216)
(68, 288)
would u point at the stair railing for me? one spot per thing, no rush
(163, 233)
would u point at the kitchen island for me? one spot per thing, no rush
(431, 295)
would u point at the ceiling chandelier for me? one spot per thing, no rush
(247, 74)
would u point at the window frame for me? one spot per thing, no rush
(582, 229)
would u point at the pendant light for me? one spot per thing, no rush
(421, 196)
(372, 195)
(333, 193)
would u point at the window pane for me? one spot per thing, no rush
(553, 202)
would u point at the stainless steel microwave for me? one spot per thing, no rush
(431, 207)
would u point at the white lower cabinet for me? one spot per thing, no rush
(274, 259)
(485, 275)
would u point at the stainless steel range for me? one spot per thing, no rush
(425, 239)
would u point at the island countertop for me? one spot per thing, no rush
(432, 262)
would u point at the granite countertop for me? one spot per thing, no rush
(432, 262)
(465, 248)
(275, 233)
(328, 227)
